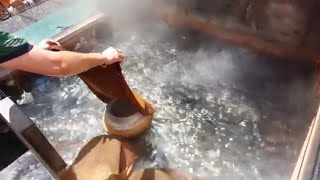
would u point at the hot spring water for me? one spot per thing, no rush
(221, 112)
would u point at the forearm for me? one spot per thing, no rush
(50, 63)
(71, 63)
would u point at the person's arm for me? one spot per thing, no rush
(62, 63)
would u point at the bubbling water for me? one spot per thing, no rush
(208, 118)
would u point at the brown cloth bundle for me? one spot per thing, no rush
(108, 84)
(110, 159)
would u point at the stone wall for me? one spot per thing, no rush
(294, 22)
(283, 19)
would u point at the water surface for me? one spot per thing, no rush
(221, 112)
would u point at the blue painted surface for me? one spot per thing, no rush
(58, 21)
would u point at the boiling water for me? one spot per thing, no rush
(221, 112)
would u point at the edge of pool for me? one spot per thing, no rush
(308, 163)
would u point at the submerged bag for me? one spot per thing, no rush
(109, 84)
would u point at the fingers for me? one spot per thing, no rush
(56, 48)
(120, 53)
(53, 43)
(113, 55)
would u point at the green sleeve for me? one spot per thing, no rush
(12, 47)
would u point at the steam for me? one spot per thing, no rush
(240, 81)
(129, 15)
(238, 92)
(212, 100)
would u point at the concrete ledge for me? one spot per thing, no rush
(85, 29)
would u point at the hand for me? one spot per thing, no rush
(112, 55)
(51, 45)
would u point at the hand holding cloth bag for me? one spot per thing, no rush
(108, 83)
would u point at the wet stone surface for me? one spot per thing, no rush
(221, 112)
